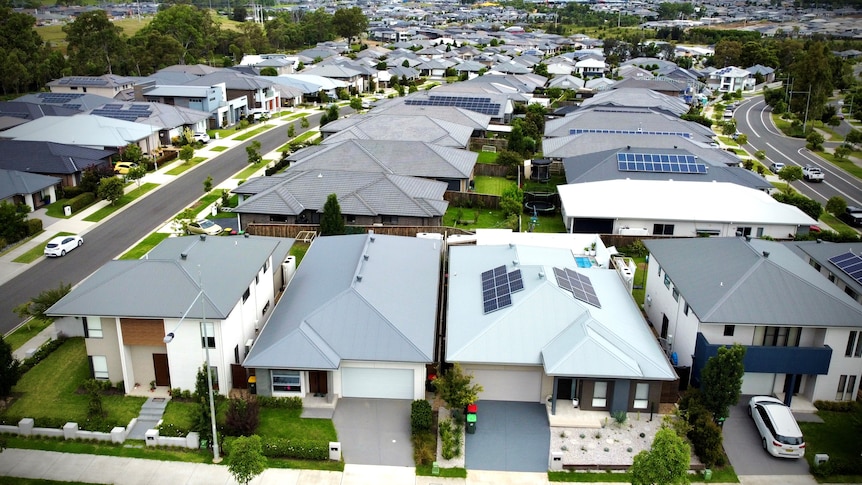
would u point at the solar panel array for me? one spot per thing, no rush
(578, 131)
(849, 263)
(498, 286)
(580, 285)
(477, 104)
(117, 112)
(84, 81)
(647, 162)
(58, 98)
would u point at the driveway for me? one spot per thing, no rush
(744, 449)
(374, 431)
(510, 436)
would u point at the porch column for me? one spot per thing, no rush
(789, 386)
(554, 397)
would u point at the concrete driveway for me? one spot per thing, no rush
(742, 443)
(374, 431)
(510, 436)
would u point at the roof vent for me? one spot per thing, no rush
(766, 254)
(365, 257)
(819, 241)
(245, 235)
(359, 277)
(203, 237)
(541, 274)
(184, 255)
(628, 147)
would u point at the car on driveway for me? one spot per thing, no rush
(61, 245)
(123, 168)
(780, 434)
(205, 226)
(202, 137)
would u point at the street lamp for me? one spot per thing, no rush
(169, 337)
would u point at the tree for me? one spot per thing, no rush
(39, 304)
(93, 175)
(26, 62)
(332, 223)
(721, 380)
(110, 189)
(137, 173)
(268, 71)
(187, 152)
(208, 184)
(815, 141)
(246, 459)
(667, 462)
(836, 205)
(202, 423)
(10, 370)
(242, 417)
(96, 45)
(855, 136)
(13, 222)
(303, 122)
(239, 14)
(253, 152)
(511, 160)
(457, 388)
(291, 130)
(95, 410)
(355, 103)
(349, 22)
(742, 139)
(192, 28)
(790, 174)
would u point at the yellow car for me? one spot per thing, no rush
(123, 168)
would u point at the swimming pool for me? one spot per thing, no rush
(583, 261)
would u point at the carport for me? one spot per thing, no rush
(374, 431)
(510, 436)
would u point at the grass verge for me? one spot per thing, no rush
(21, 335)
(35, 253)
(126, 199)
(245, 136)
(301, 138)
(843, 164)
(145, 246)
(182, 167)
(126, 450)
(425, 471)
(219, 148)
(251, 169)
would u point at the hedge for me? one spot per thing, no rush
(69, 192)
(82, 201)
(837, 466)
(280, 402)
(40, 355)
(286, 448)
(34, 226)
(837, 406)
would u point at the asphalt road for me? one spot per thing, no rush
(114, 236)
(753, 118)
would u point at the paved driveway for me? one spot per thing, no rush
(374, 431)
(510, 436)
(743, 446)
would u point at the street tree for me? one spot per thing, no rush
(842, 152)
(246, 459)
(721, 380)
(349, 23)
(187, 152)
(137, 173)
(10, 370)
(836, 205)
(742, 139)
(39, 304)
(665, 463)
(790, 174)
(95, 45)
(812, 80)
(253, 152)
(303, 122)
(356, 103)
(815, 141)
(291, 130)
(110, 189)
(332, 222)
(208, 184)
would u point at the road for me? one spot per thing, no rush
(753, 118)
(114, 236)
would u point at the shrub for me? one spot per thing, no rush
(705, 437)
(450, 435)
(620, 417)
(70, 192)
(286, 448)
(837, 466)
(40, 355)
(34, 226)
(837, 406)
(82, 201)
(424, 447)
(242, 417)
(421, 416)
(280, 402)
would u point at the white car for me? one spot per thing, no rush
(779, 432)
(202, 137)
(61, 245)
(776, 167)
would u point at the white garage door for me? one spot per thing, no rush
(377, 383)
(757, 383)
(509, 385)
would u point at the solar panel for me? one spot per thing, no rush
(479, 105)
(578, 284)
(112, 106)
(498, 286)
(578, 131)
(651, 162)
(849, 263)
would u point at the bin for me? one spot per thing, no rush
(471, 423)
(252, 384)
(707, 474)
(472, 408)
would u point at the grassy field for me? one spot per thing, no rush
(125, 200)
(34, 253)
(145, 246)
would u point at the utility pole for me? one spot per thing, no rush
(807, 104)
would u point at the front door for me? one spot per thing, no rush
(163, 373)
(317, 382)
(565, 388)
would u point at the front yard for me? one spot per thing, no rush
(838, 437)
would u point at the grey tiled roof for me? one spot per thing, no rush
(577, 145)
(459, 116)
(625, 118)
(13, 182)
(395, 127)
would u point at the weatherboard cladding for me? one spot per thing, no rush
(342, 306)
(733, 282)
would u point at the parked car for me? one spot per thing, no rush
(776, 167)
(202, 137)
(779, 432)
(123, 168)
(205, 226)
(61, 245)
(852, 215)
(812, 174)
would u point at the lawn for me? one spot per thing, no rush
(55, 209)
(25, 332)
(483, 218)
(492, 185)
(145, 246)
(126, 199)
(722, 475)
(251, 169)
(301, 138)
(487, 157)
(48, 393)
(34, 253)
(218, 149)
(248, 134)
(837, 436)
(298, 250)
(844, 164)
(183, 166)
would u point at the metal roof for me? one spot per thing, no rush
(545, 325)
(452, 114)
(49, 158)
(585, 143)
(821, 251)
(729, 280)
(399, 127)
(81, 130)
(630, 119)
(360, 297)
(638, 97)
(13, 182)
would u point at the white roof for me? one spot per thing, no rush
(676, 200)
(81, 130)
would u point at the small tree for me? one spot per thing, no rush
(132, 153)
(842, 152)
(721, 380)
(208, 184)
(110, 189)
(39, 304)
(666, 462)
(511, 160)
(457, 388)
(742, 139)
(137, 173)
(836, 205)
(815, 141)
(760, 155)
(181, 221)
(202, 422)
(187, 152)
(291, 130)
(355, 103)
(242, 417)
(10, 370)
(303, 122)
(790, 174)
(95, 410)
(246, 460)
(332, 222)
(253, 152)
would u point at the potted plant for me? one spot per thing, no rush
(593, 249)
(152, 386)
(586, 250)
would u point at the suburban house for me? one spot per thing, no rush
(189, 295)
(802, 333)
(88, 131)
(358, 319)
(626, 120)
(459, 116)
(168, 121)
(543, 324)
(108, 85)
(260, 92)
(678, 208)
(14, 113)
(637, 97)
(67, 162)
(30, 189)
(730, 79)
(840, 263)
(395, 127)
(210, 99)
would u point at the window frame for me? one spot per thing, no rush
(641, 401)
(93, 327)
(600, 400)
(291, 374)
(99, 367)
(207, 340)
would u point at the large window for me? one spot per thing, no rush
(641, 395)
(286, 381)
(846, 388)
(207, 336)
(92, 327)
(662, 229)
(600, 394)
(781, 337)
(99, 366)
(854, 341)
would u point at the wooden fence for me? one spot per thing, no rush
(472, 200)
(477, 143)
(291, 230)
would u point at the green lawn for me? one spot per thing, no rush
(182, 167)
(492, 185)
(728, 141)
(128, 450)
(145, 246)
(298, 250)
(487, 157)
(248, 134)
(722, 475)
(286, 423)
(837, 436)
(55, 209)
(251, 169)
(25, 332)
(34, 481)
(845, 165)
(425, 471)
(48, 394)
(301, 138)
(34, 253)
(220, 148)
(486, 218)
(126, 199)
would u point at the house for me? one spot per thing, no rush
(352, 77)
(459, 116)
(637, 97)
(398, 127)
(497, 106)
(803, 335)
(187, 294)
(86, 131)
(678, 208)
(838, 262)
(260, 92)
(213, 99)
(14, 113)
(67, 162)
(533, 323)
(589, 67)
(108, 85)
(169, 121)
(358, 319)
(30, 189)
(626, 120)
(730, 79)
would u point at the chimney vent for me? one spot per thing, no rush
(766, 254)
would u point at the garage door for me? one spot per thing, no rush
(756, 383)
(377, 383)
(509, 385)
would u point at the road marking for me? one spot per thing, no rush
(748, 110)
(833, 172)
(793, 162)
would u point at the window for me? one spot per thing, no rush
(846, 388)
(815, 265)
(851, 342)
(99, 367)
(207, 336)
(831, 278)
(666, 280)
(246, 294)
(600, 394)
(685, 309)
(850, 292)
(92, 327)
(728, 330)
(641, 395)
(662, 229)
(265, 266)
(675, 293)
(781, 337)
(214, 375)
(759, 232)
(389, 219)
(743, 231)
(285, 381)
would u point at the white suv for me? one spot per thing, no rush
(779, 432)
(776, 167)
(202, 137)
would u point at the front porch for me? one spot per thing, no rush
(568, 416)
(799, 404)
(319, 406)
